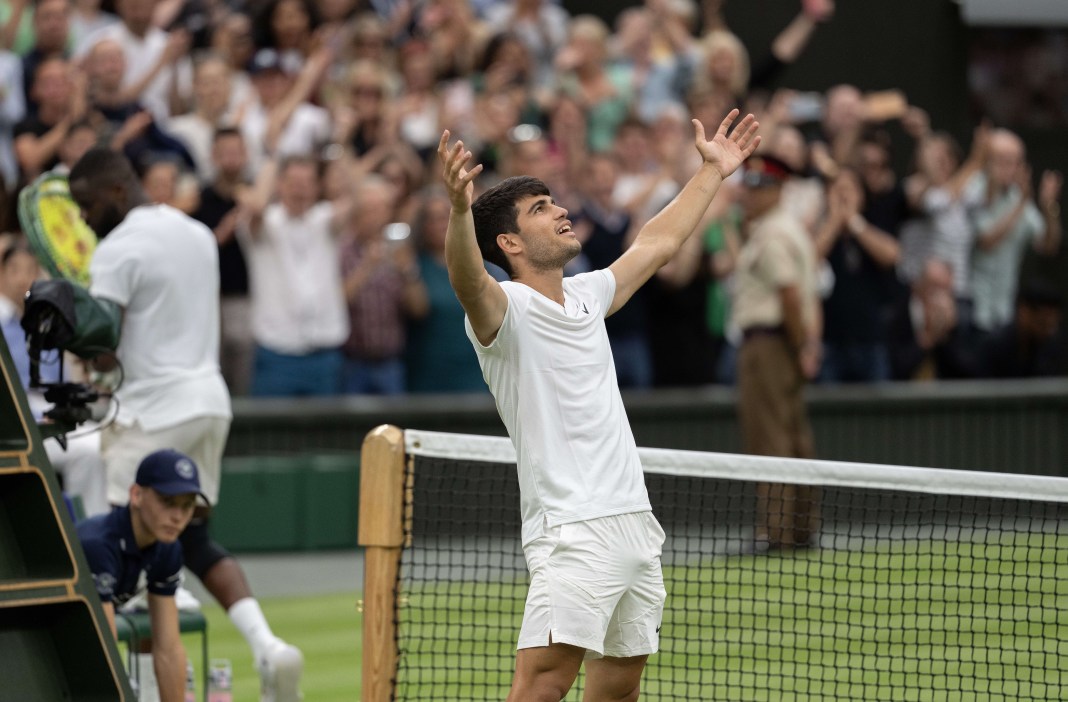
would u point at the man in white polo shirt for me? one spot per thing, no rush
(591, 542)
(299, 318)
(156, 270)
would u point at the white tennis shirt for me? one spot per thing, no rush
(551, 372)
(162, 267)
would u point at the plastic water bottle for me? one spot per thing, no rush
(221, 681)
(190, 683)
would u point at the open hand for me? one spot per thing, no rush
(726, 153)
(459, 180)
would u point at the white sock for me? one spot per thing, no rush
(249, 620)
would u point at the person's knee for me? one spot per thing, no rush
(543, 687)
(545, 674)
(199, 552)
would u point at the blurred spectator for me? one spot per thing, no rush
(540, 24)
(287, 27)
(860, 254)
(12, 110)
(383, 288)
(776, 306)
(16, 26)
(453, 32)
(659, 74)
(803, 192)
(1007, 221)
(61, 99)
(402, 168)
(1028, 345)
(232, 42)
(504, 69)
(926, 340)
(298, 307)
(51, 31)
(724, 65)
(364, 118)
(691, 301)
(439, 355)
(885, 205)
(369, 41)
(419, 105)
(211, 111)
(334, 15)
(606, 231)
(943, 192)
(841, 124)
(128, 126)
(604, 90)
(219, 211)
(168, 182)
(643, 187)
(87, 17)
(158, 72)
(81, 137)
(284, 122)
(566, 138)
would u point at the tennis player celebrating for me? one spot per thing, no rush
(591, 542)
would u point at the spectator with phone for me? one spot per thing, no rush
(383, 290)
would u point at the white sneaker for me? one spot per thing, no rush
(186, 601)
(280, 669)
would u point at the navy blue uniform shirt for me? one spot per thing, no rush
(116, 562)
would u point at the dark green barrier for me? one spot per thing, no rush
(288, 503)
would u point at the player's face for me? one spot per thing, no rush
(164, 517)
(100, 209)
(548, 239)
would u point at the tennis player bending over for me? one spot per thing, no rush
(591, 542)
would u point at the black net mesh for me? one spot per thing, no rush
(871, 595)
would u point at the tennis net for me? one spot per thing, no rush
(917, 584)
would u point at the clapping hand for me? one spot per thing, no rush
(726, 153)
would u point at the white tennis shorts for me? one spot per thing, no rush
(202, 439)
(598, 585)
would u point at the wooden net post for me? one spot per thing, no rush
(381, 533)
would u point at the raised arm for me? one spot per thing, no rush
(662, 236)
(481, 296)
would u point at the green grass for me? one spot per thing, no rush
(956, 622)
(953, 623)
(327, 628)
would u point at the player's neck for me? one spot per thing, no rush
(549, 283)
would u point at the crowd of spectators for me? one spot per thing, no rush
(304, 132)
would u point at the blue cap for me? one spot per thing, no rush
(169, 472)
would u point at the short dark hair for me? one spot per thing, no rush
(495, 212)
(103, 166)
(222, 132)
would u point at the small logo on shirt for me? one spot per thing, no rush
(584, 308)
(658, 627)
